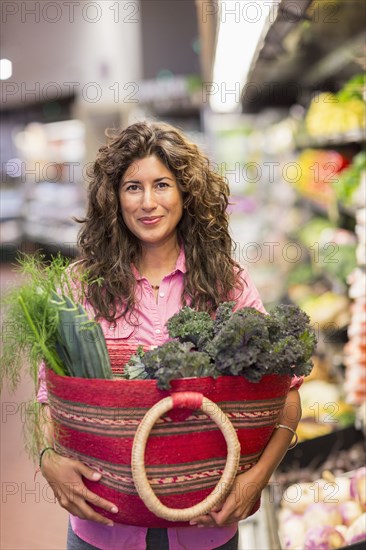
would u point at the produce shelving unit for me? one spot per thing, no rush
(355, 137)
(320, 52)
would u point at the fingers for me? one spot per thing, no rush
(203, 521)
(65, 477)
(81, 509)
(99, 501)
(75, 502)
(229, 516)
(87, 472)
(224, 518)
(217, 508)
(91, 497)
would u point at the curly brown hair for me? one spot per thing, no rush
(108, 248)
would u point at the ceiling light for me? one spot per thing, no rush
(241, 26)
(6, 69)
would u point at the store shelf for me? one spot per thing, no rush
(332, 212)
(318, 50)
(314, 452)
(178, 96)
(258, 532)
(313, 205)
(335, 141)
(309, 46)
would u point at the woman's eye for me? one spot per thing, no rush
(162, 184)
(132, 187)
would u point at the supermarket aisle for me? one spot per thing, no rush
(29, 518)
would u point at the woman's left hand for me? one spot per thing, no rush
(243, 495)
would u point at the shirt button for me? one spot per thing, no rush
(158, 331)
(161, 294)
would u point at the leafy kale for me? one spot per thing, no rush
(169, 361)
(293, 340)
(287, 320)
(239, 346)
(198, 327)
(135, 368)
(223, 314)
(191, 326)
(246, 343)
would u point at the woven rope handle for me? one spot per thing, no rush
(143, 487)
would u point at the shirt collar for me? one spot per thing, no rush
(180, 265)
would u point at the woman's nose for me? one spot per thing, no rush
(149, 200)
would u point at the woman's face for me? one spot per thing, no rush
(151, 201)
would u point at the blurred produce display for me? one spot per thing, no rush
(331, 115)
(324, 508)
(316, 224)
(355, 349)
(328, 310)
(330, 282)
(324, 514)
(319, 171)
(360, 231)
(323, 409)
(347, 186)
(332, 249)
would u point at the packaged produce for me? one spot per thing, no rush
(318, 173)
(329, 509)
(346, 185)
(357, 531)
(333, 115)
(350, 511)
(355, 349)
(323, 538)
(358, 487)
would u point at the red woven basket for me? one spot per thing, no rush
(96, 421)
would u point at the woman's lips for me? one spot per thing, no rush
(150, 221)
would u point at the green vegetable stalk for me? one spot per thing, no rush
(49, 357)
(45, 322)
(49, 325)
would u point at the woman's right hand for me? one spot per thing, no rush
(65, 477)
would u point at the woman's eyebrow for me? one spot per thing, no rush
(155, 181)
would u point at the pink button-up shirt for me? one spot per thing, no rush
(152, 316)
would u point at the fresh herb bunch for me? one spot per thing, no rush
(246, 343)
(43, 322)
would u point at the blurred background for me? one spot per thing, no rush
(274, 92)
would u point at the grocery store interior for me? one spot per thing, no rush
(274, 92)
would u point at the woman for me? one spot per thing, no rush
(156, 230)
